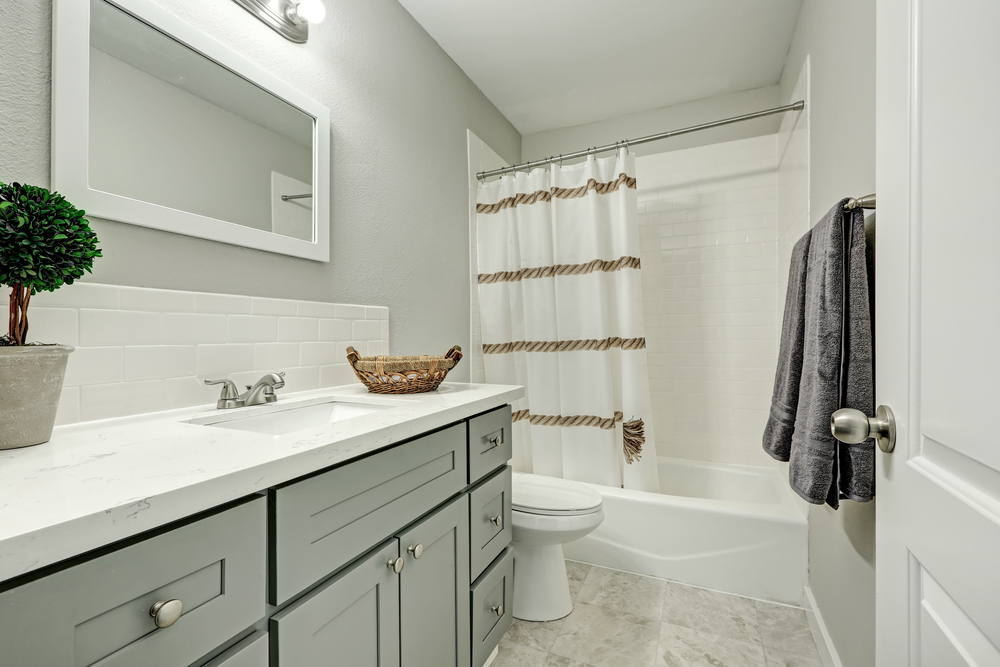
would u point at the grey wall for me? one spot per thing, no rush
(399, 107)
(839, 37)
(569, 139)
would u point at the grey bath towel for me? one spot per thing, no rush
(825, 362)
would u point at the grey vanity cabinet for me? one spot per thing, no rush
(349, 621)
(98, 611)
(434, 589)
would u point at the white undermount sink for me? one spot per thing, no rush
(280, 422)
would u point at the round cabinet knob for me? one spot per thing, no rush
(497, 521)
(416, 551)
(395, 564)
(853, 427)
(166, 612)
(498, 609)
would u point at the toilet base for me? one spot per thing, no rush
(541, 587)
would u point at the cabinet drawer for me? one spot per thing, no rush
(489, 442)
(251, 652)
(98, 611)
(322, 523)
(492, 607)
(351, 620)
(489, 521)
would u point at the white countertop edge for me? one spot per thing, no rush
(98, 483)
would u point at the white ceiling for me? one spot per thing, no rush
(547, 64)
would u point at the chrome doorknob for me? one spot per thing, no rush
(498, 609)
(497, 521)
(853, 427)
(166, 612)
(415, 551)
(395, 564)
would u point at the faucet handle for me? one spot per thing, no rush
(230, 394)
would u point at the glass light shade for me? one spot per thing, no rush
(307, 11)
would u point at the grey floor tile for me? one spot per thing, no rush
(539, 636)
(708, 611)
(623, 592)
(786, 629)
(512, 654)
(684, 647)
(576, 572)
(777, 658)
(559, 661)
(605, 637)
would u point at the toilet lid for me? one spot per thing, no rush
(537, 494)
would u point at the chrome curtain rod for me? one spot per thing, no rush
(796, 106)
(291, 197)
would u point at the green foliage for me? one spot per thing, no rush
(45, 242)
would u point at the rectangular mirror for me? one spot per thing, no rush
(158, 125)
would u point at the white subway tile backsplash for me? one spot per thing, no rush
(275, 307)
(221, 304)
(94, 365)
(119, 327)
(194, 328)
(334, 330)
(316, 309)
(367, 329)
(156, 300)
(345, 312)
(275, 356)
(149, 362)
(145, 350)
(318, 354)
(53, 325)
(218, 360)
(252, 328)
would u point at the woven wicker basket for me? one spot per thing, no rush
(403, 375)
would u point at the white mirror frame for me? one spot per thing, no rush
(71, 131)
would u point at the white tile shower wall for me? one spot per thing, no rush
(708, 232)
(481, 158)
(794, 216)
(144, 350)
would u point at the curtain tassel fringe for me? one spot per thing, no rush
(635, 437)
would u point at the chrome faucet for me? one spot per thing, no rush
(262, 391)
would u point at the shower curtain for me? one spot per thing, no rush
(561, 314)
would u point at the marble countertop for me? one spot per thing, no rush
(96, 483)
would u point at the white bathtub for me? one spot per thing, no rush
(731, 528)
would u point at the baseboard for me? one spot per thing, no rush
(824, 643)
(493, 656)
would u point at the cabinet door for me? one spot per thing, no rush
(350, 621)
(433, 595)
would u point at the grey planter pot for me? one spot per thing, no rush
(31, 380)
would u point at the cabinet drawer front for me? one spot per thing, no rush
(492, 607)
(489, 520)
(351, 620)
(489, 442)
(98, 611)
(434, 589)
(324, 522)
(251, 652)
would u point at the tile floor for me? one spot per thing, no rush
(627, 620)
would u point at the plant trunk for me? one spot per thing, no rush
(18, 324)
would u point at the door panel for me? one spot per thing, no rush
(434, 597)
(352, 620)
(937, 317)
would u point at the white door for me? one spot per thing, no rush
(938, 331)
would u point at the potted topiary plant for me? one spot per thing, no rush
(45, 243)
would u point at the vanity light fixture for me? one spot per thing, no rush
(289, 18)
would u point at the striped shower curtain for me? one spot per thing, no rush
(561, 313)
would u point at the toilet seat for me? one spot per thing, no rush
(551, 496)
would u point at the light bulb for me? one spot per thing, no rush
(306, 11)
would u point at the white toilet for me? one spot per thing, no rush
(547, 513)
